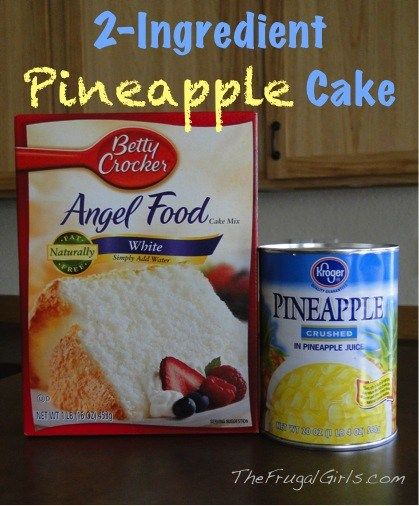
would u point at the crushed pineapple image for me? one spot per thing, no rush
(316, 403)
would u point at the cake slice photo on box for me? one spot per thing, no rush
(137, 344)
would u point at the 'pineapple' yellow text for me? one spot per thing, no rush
(159, 93)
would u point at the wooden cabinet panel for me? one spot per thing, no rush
(65, 32)
(24, 41)
(347, 145)
(125, 61)
(325, 146)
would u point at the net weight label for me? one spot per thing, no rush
(47, 416)
(358, 431)
(70, 416)
(327, 432)
(304, 431)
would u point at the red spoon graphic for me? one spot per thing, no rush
(126, 158)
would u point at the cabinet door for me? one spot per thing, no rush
(334, 146)
(24, 44)
(125, 61)
(61, 34)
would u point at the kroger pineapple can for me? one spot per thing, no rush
(328, 327)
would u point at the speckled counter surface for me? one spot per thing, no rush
(201, 469)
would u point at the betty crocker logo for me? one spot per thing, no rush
(126, 158)
(135, 158)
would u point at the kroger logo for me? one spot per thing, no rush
(329, 272)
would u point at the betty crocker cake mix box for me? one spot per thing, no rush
(137, 273)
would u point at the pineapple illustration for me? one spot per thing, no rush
(272, 355)
(382, 349)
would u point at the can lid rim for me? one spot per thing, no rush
(312, 247)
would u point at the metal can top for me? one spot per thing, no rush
(313, 247)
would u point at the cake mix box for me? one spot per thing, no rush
(137, 273)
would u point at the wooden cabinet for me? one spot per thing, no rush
(334, 146)
(24, 41)
(70, 40)
(125, 61)
(325, 146)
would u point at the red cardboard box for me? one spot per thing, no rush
(138, 273)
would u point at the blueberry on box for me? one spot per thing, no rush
(201, 401)
(184, 407)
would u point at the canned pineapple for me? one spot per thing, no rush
(328, 327)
